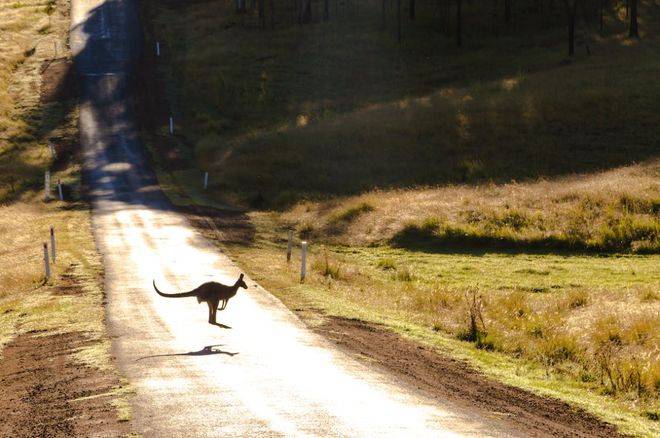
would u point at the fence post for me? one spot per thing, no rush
(59, 190)
(46, 263)
(47, 185)
(171, 125)
(206, 180)
(289, 245)
(53, 153)
(303, 262)
(52, 244)
(157, 48)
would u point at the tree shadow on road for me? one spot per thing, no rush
(206, 351)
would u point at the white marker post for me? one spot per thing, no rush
(171, 125)
(59, 190)
(52, 244)
(53, 153)
(289, 246)
(47, 185)
(157, 48)
(303, 262)
(206, 180)
(46, 263)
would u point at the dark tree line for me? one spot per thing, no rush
(507, 12)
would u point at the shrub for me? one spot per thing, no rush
(476, 327)
(386, 264)
(628, 232)
(326, 266)
(403, 273)
(557, 348)
(577, 298)
(306, 230)
(352, 213)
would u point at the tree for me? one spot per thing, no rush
(262, 13)
(634, 32)
(507, 11)
(459, 23)
(398, 20)
(571, 13)
(307, 11)
(326, 10)
(412, 9)
(272, 14)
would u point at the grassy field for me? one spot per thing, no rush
(499, 201)
(577, 327)
(34, 34)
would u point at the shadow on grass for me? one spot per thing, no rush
(304, 113)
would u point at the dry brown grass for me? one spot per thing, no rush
(603, 211)
(29, 30)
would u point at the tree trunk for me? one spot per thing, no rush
(602, 14)
(383, 13)
(571, 13)
(507, 11)
(326, 10)
(398, 20)
(412, 9)
(262, 13)
(634, 31)
(272, 14)
(307, 11)
(459, 23)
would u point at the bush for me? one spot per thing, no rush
(351, 213)
(386, 264)
(630, 232)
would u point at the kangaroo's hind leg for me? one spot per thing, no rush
(224, 304)
(211, 313)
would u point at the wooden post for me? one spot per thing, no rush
(303, 262)
(59, 190)
(47, 185)
(289, 246)
(46, 263)
(171, 125)
(206, 180)
(52, 244)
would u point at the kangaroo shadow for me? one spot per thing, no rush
(220, 325)
(206, 351)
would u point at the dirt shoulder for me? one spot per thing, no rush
(445, 379)
(46, 392)
(422, 368)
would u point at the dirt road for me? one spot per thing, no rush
(268, 375)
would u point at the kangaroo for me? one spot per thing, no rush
(213, 293)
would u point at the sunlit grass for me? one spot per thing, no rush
(544, 314)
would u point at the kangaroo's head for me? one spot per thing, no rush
(241, 283)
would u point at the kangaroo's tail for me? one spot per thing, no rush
(181, 295)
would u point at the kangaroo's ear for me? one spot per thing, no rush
(240, 277)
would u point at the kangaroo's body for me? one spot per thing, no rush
(212, 293)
